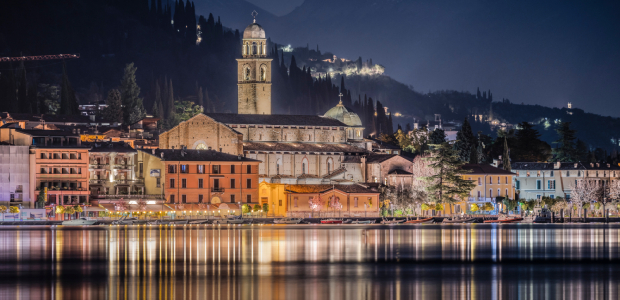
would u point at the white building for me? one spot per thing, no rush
(16, 175)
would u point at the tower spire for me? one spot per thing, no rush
(254, 14)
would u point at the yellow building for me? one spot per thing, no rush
(490, 182)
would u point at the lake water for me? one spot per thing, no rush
(473, 261)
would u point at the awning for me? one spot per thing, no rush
(93, 208)
(228, 206)
(108, 206)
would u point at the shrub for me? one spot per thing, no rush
(256, 208)
(474, 207)
(265, 207)
(13, 209)
(425, 206)
(245, 208)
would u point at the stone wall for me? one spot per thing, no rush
(254, 94)
(202, 130)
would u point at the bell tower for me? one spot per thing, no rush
(254, 72)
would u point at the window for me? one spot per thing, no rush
(506, 180)
(171, 183)
(200, 199)
(479, 181)
(280, 202)
(538, 185)
(499, 193)
(249, 183)
(551, 184)
(184, 169)
(567, 197)
(183, 183)
(490, 193)
(578, 173)
(479, 194)
(171, 198)
(141, 169)
(232, 183)
(517, 184)
(232, 169)
(201, 169)
(232, 198)
(200, 183)
(249, 198)
(552, 196)
(303, 168)
(506, 194)
(216, 184)
(490, 180)
(216, 169)
(172, 169)
(249, 169)
(498, 182)
(158, 182)
(537, 197)
(43, 156)
(551, 174)
(295, 201)
(567, 174)
(355, 202)
(183, 198)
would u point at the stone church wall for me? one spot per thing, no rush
(202, 130)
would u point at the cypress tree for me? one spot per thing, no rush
(133, 108)
(200, 96)
(114, 111)
(68, 102)
(22, 94)
(506, 156)
(465, 142)
(155, 109)
(565, 150)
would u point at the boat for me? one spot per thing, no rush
(229, 221)
(78, 222)
(363, 222)
(124, 221)
(348, 221)
(513, 220)
(427, 220)
(288, 221)
(393, 222)
(331, 221)
(199, 222)
(454, 221)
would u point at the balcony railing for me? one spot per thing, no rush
(124, 196)
(123, 166)
(217, 190)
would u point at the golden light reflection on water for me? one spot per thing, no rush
(310, 262)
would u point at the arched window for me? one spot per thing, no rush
(247, 74)
(329, 165)
(490, 180)
(479, 181)
(201, 146)
(506, 180)
(499, 193)
(263, 73)
(254, 49)
(478, 194)
(490, 193)
(498, 180)
(506, 195)
(304, 166)
(278, 163)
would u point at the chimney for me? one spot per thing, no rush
(557, 165)
(182, 153)
(161, 154)
(153, 151)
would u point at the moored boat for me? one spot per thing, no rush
(455, 221)
(331, 221)
(513, 220)
(363, 222)
(287, 221)
(393, 222)
(427, 220)
(78, 222)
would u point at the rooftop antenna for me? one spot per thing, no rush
(254, 14)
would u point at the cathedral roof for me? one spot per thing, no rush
(281, 120)
(254, 31)
(342, 114)
(301, 147)
(195, 155)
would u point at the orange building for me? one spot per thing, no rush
(357, 200)
(205, 177)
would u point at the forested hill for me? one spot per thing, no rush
(595, 130)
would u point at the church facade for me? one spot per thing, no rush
(293, 150)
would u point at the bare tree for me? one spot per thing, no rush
(586, 191)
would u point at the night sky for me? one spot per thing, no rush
(535, 52)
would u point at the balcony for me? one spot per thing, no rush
(98, 166)
(132, 196)
(123, 166)
(217, 190)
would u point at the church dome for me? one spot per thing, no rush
(254, 31)
(340, 113)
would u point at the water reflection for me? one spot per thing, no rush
(311, 262)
